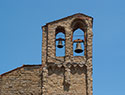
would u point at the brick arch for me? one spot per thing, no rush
(78, 23)
(60, 29)
(60, 36)
(82, 25)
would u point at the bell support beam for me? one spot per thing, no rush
(78, 40)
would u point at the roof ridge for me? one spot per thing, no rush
(67, 17)
(19, 68)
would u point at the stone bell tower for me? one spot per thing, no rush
(68, 74)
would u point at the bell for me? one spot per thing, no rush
(60, 44)
(78, 48)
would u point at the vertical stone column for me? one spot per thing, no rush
(68, 45)
(89, 43)
(89, 38)
(44, 81)
(51, 44)
(67, 75)
(85, 43)
(89, 58)
(71, 50)
(89, 77)
(44, 45)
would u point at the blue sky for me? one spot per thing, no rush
(20, 36)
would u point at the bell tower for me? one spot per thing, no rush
(63, 71)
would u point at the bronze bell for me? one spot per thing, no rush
(78, 48)
(60, 44)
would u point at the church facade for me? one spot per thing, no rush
(67, 74)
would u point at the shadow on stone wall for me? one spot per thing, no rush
(79, 70)
(61, 71)
(54, 70)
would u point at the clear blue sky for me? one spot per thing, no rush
(20, 36)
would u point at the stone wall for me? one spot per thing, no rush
(25, 80)
(54, 81)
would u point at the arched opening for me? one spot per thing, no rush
(78, 35)
(60, 41)
(78, 27)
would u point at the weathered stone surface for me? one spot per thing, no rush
(55, 81)
(22, 81)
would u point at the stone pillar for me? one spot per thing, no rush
(89, 58)
(67, 75)
(89, 40)
(89, 77)
(44, 81)
(68, 45)
(51, 44)
(44, 45)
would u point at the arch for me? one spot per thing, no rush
(78, 35)
(60, 29)
(78, 23)
(78, 28)
(60, 35)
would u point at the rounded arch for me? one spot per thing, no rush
(60, 40)
(78, 23)
(78, 34)
(60, 29)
